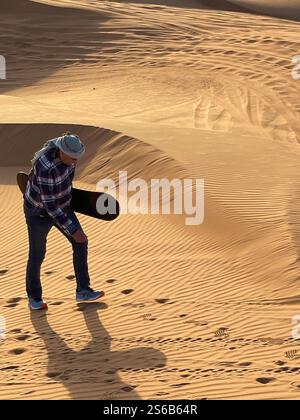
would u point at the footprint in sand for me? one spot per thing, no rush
(128, 388)
(23, 337)
(280, 363)
(70, 277)
(111, 371)
(3, 271)
(222, 332)
(56, 303)
(148, 317)
(287, 369)
(265, 381)
(127, 291)
(13, 302)
(53, 374)
(17, 351)
(49, 272)
(292, 354)
(110, 281)
(162, 300)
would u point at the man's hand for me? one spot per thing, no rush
(80, 237)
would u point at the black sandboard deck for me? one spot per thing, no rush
(83, 201)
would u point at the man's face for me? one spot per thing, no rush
(67, 160)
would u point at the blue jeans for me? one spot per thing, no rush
(38, 228)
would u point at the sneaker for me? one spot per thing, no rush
(88, 295)
(37, 305)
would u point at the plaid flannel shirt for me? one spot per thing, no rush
(49, 189)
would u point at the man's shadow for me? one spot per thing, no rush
(92, 373)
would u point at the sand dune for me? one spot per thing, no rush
(160, 91)
(281, 8)
(194, 4)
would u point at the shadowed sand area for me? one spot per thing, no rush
(286, 9)
(161, 89)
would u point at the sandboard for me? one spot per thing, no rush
(84, 202)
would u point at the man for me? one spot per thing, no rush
(47, 203)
